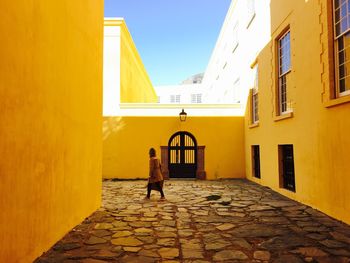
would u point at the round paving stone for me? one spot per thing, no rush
(143, 230)
(132, 249)
(168, 252)
(103, 226)
(262, 255)
(229, 254)
(119, 224)
(225, 227)
(95, 240)
(122, 234)
(192, 253)
(166, 234)
(148, 253)
(166, 242)
(127, 241)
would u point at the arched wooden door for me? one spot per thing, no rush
(182, 155)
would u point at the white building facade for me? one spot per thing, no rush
(184, 94)
(111, 67)
(230, 72)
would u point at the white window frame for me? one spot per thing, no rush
(250, 12)
(255, 96)
(196, 98)
(235, 91)
(282, 76)
(337, 38)
(235, 40)
(175, 98)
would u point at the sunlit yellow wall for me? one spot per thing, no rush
(50, 119)
(320, 135)
(126, 141)
(135, 84)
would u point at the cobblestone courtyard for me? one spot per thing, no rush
(200, 222)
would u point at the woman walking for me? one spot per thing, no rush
(155, 180)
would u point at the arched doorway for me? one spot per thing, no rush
(182, 155)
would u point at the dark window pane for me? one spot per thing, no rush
(337, 15)
(342, 85)
(256, 161)
(340, 44)
(288, 167)
(341, 58)
(341, 72)
(337, 29)
(336, 4)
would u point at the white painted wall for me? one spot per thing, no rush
(185, 91)
(111, 71)
(149, 109)
(228, 76)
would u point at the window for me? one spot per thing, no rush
(255, 97)
(342, 46)
(283, 72)
(174, 98)
(235, 37)
(196, 98)
(235, 91)
(250, 11)
(256, 161)
(286, 161)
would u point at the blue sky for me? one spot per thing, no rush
(175, 38)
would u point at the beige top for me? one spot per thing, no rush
(155, 173)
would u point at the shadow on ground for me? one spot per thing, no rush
(202, 222)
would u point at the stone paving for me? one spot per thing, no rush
(202, 222)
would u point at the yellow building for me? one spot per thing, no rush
(50, 121)
(125, 79)
(297, 123)
(127, 140)
(294, 137)
(127, 136)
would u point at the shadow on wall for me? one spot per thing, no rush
(112, 125)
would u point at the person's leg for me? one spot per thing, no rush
(160, 189)
(149, 190)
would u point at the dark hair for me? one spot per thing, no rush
(152, 152)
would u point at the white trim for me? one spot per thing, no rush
(173, 110)
(344, 93)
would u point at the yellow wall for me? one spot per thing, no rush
(126, 141)
(320, 135)
(50, 118)
(135, 84)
